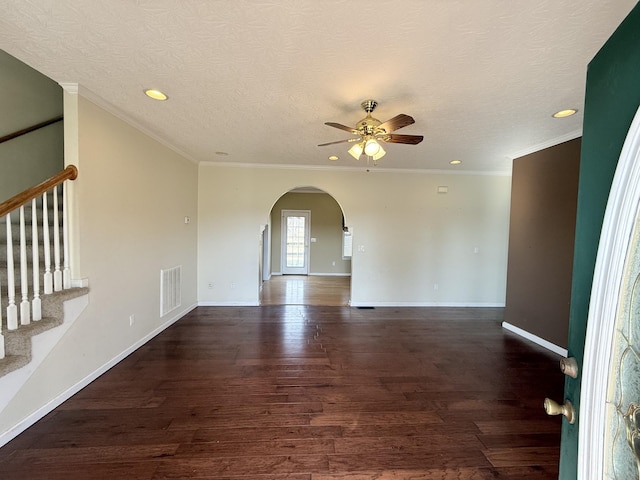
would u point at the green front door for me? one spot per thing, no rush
(612, 98)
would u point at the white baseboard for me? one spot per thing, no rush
(20, 427)
(535, 339)
(426, 304)
(228, 304)
(329, 274)
(317, 274)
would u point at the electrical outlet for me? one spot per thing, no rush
(210, 285)
(132, 319)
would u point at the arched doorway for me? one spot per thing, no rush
(307, 263)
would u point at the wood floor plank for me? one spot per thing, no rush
(101, 454)
(523, 456)
(309, 393)
(411, 474)
(348, 419)
(82, 470)
(239, 466)
(251, 447)
(235, 434)
(453, 458)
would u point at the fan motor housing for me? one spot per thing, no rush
(367, 125)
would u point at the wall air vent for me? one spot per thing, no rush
(170, 289)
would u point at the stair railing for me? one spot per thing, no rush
(30, 129)
(56, 280)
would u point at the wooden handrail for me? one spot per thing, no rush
(69, 173)
(33, 128)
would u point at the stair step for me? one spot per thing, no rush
(18, 342)
(13, 362)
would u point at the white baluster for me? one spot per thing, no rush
(66, 272)
(57, 273)
(12, 310)
(36, 303)
(48, 276)
(25, 306)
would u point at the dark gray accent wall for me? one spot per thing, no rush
(544, 192)
(27, 98)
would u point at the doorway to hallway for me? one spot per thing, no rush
(306, 290)
(304, 261)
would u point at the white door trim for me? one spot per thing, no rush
(619, 219)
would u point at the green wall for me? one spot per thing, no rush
(27, 98)
(612, 98)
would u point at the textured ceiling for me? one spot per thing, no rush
(257, 79)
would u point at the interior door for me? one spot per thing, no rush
(295, 242)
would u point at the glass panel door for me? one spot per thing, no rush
(295, 242)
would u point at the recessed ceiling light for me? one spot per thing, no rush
(333, 158)
(155, 94)
(455, 162)
(565, 113)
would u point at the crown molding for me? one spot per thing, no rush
(549, 143)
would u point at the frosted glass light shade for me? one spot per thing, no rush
(371, 148)
(356, 150)
(381, 153)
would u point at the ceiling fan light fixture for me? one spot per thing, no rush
(370, 132)
(356, 150)
(371, 147)
(381, 153)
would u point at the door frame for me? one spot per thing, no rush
(619, 220)
(283, 242)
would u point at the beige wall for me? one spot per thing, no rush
(133, 193)
(412, 245)
(326, 229)
(132, 197)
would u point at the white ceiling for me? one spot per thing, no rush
(257, 79)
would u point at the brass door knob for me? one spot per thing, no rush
(569, 367)
(554, 408)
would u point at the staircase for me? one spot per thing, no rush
(30, 305)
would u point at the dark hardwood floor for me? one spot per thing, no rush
(306, 290)
(309, 393)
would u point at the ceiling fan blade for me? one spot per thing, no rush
(342, 127)
(349, 140)
(408, 139)
(396, 123)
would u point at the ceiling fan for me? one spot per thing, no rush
(370, 131)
